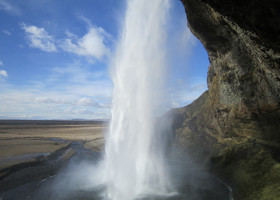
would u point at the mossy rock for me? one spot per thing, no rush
(252, 170)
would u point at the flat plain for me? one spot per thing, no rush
(26, 140)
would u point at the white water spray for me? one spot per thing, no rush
(134, 165)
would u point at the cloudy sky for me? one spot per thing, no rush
(55, 58)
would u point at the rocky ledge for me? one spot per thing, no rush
(234, 127)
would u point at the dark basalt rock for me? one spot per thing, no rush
(241, 109)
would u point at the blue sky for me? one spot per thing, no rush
(55, 58)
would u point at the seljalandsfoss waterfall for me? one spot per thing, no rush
(134, 166)
(139, 100)
(139, 161)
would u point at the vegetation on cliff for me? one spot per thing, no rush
(234, 126)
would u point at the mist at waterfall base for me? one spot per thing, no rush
(139, 162)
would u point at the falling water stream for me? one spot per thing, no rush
(134, 167)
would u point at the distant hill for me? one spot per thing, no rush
(72, 121)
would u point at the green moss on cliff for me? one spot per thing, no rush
(252, 169)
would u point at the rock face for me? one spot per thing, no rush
(237, 121)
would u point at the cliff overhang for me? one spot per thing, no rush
(234, 127)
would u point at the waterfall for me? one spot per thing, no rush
(134, 162)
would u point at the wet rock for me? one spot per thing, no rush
(243, 101)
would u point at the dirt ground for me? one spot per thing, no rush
(22, 141)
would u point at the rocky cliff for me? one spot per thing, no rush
(234, 127)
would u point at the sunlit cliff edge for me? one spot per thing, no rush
(234, 127)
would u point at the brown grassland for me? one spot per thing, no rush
(22, 141)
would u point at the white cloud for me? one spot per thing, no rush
(87, 113)
(187, 39)
(39, 38)
(85, 102)
(88, 102)
(92, 44)
(70, 35)
(186, 93)
(175, 104)
(47, 103)
(13, 116)
(49, 100)
(75, 72)
(95, 89)
(3, 73)
(7, 32)
(79, 79)
(80, 74)
(4, 5)
(79, 111)
(86, 20)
